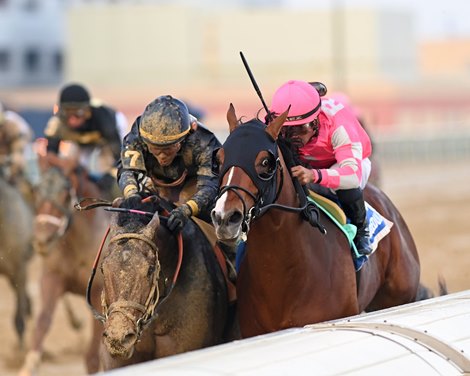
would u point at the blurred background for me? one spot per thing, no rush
(405, 65)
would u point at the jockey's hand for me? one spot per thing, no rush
(178, 218)
(305, 175)
(131, 202)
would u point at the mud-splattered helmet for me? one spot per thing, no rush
(165, 121)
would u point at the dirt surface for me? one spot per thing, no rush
(434, 199)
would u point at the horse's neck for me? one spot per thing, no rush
(83, 186)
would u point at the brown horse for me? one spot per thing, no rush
(67, 240)
(16, 232)
(164, 294)
(293, 274)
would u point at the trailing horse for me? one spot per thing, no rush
(292, 273)
(67, 240)
(164, 293)
(16, 231)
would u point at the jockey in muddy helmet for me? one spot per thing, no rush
(168, 151)
(92, 133)
(332, 146)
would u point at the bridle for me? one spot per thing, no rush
(269, 186)
(63, 222)
(148, 309)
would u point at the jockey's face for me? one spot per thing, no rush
(164, 154)
(301, 134)
(75, 117)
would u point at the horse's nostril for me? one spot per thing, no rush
(216, 218)
(129, 337)
(235, 218)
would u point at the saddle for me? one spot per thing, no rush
(378, 225)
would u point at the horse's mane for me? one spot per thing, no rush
(288, 152)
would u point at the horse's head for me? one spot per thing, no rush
(54, 207)
(249, 165)
(131, 271)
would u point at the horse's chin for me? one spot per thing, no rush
(119, 352)
(229, 236)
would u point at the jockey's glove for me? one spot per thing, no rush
(178, 217)
(131, 202)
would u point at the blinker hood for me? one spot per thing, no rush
(243, 146)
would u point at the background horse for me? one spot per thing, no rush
(143, 275)
(292, 274)
(16, 231)
(67, 240)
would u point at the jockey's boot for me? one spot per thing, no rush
(352, 202)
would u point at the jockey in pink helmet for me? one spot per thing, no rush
(332, 146)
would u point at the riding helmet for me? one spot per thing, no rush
(303, 99)
(165, 121)
(74, 95)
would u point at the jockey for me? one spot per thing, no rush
(89, 133)
(169, 151)
(16, 153)
(332, 146)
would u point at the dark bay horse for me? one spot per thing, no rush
(293, 274)
(16, 232)
(67, 241)
(161, 297)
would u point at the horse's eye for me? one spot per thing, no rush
(269, 164)
(269, 167)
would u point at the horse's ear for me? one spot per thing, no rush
(152, 226)
(274, 126)
(232, 118)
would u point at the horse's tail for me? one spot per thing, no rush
(426, 293)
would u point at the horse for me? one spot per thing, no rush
(164, 293)
(292, 273)
(16, 232)
(67, 241)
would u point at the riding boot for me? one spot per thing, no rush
(352, 202)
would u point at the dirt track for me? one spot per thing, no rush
(434, 200)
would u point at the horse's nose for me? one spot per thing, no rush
(231, 218)
(120, 339)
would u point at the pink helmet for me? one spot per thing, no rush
(303, 98)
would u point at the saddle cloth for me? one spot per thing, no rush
(378, 225)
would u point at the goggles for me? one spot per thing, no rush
(78, 112)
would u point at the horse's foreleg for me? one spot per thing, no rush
(52, 288)
(23, 304)
(92, 356)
